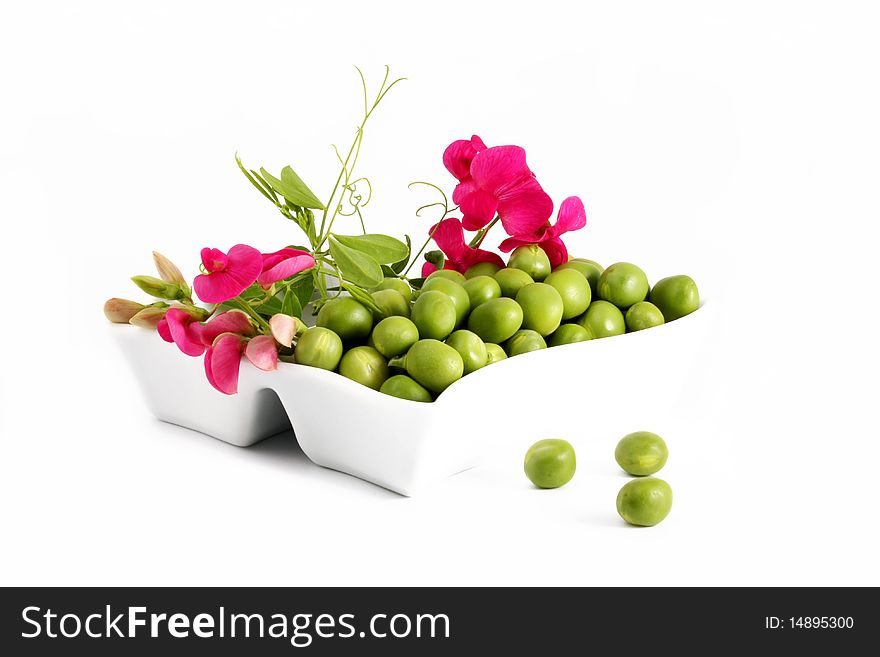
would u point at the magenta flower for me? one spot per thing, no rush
(228, 274)
(496, 180)
(283, 264)
(223, 359)
(571, 216)
(449, 236)
(192, 337)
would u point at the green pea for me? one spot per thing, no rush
(532, 260)
(471, 349)
(449, 274)
(642, 315)
(603, 319)
(391, 302)
(318, 347)
(496, 320)
(524, 341)
(644, 502)
(364, 365)
(623, 284)
(398, 284)
(675, 296)
(394, 335)
(641, 453)
(349, 319)
(568, 334)
(574, 290)
(404, 387)
(432, 363)
(550, 463)
(434, 314)
(494, 352)
(481, 289)
(482, 269)
(542, 307)
(510, 280)
(454, 291)
(590, 269)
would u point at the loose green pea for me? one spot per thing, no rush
(532, 260)
(434, 314)
(495, 353)
(404, 387)
(482, 269)
(510, 280)
(550, 463)
(542, 307)
(454, 291)
(603, 319)
(433, 364)
(318, 347)
(394, 335)
(481, 289)
(449, 274)
(574, 290)
(623, 284)
(398, 284)
(471, 349)
(391, 302)
(524, 341)
(349, 319)
(568, 334)
(644, 502)
(496, 320)
(676, 296)
(642, 315)
(641, 453)
(590, 269)
(364, 365)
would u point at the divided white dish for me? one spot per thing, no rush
(403, 445)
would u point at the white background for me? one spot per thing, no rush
(737, 142)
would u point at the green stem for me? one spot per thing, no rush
(424, 246)
(481, 234)
(245, 306)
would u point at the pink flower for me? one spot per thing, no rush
(228, 275)
(449, 236)
(223, 359)
(283, 264)
(571, 216)
(496, 180)
(193, 337)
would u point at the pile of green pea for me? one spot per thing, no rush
(424, 340)
(644, 502)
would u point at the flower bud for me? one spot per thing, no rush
(168, 271)
(158, 288)
(436, 258)
(285, 328)
(120, 311)
(149, 317)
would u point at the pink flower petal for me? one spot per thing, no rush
(555, 250)
(571, 216)
(179, 326)
(449, 236)
(283, 328)
(164, 331)
(232, 321)
(458, 155)
(244, 263)
(272, 259)
(262, 351)
(463, 189)
(428, 268)
(478, 209)
(498, 167)
(511, 243)
(222, 363)
(479, 255)
(286, 269)
(214, 259)
(525, 208)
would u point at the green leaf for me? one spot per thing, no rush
(416, 283)
(356, 267)
(303, 289)
(381, 248)
(253, 180)
(292, 188)
(359, 294)
(271, 307)
(401, 264)
(291, 305)
(388, 271)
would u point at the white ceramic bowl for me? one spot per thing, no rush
(403, 445)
